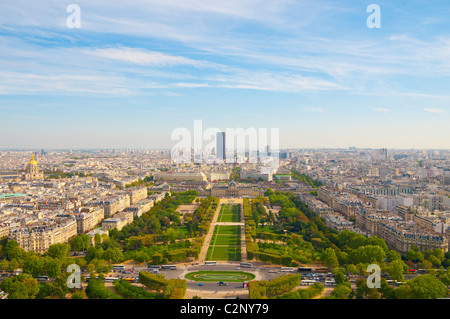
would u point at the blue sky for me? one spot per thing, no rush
(133, 73)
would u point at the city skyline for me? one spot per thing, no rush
(128, 77)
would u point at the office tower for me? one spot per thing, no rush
(220, 146)
(383, 154)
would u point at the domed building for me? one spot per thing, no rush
(32, 171)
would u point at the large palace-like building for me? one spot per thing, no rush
(32, 171)
(235, 190)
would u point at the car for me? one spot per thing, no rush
(200, 284)
(238, 268)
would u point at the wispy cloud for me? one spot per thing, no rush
(315, 110)
(379, 109)
(434, 110)
(146, 57)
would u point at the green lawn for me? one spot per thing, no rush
(229, 213)
(225, 244)
(228, 276)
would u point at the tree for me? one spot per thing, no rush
(426, 287)
(342, 291)
(434, 260)
(367, 254)
(329, 258)
(414, 254)
(78, 295)
(352, 269)
(14, 251)
(445, 279)
(393, 255)
(53, 267)
(34, 266)
(374, 294)
(58, 251)
(96, 289)
(80, 242)
(386, 290)
(171, 235)
(361, 288)
(54, 290)
(114, 255)
(98, 238)
(396, 270)
(22, 286)
(425, 264)
(404, 292)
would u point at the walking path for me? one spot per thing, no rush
(204, 251)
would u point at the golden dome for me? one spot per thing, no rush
(32, 162)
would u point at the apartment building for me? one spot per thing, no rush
(401, 236)
(315, 205)
(136, 194)
(113, 204)
(140, 208)
(432, 202)
(118, 221)
(368, 220)
(180, 176)
(335, 221)
(40, 236)
(403, 212)
(88, 218)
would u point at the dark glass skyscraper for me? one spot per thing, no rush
(220, 146)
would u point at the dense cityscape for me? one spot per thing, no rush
(311, 227)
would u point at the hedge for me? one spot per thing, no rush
(172, 288)
(308, 293)
(175, 289)
(280, 285)
(153, 281)
(127, 290)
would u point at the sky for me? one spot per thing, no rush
(135, 71)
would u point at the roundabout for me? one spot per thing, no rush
(225, 276)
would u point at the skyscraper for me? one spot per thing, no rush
(220, 146)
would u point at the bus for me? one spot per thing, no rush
(411, 271)
(330, 283)
(399, 283)
(287, 269)
(42, 278)
(129, 279)
(111, 279)
(322, 270)
(307, 282)
(118, 267)
(168, 267)
(210, 263)
(246, 265)
(153, 266)
(304, 269)
(422, 271)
